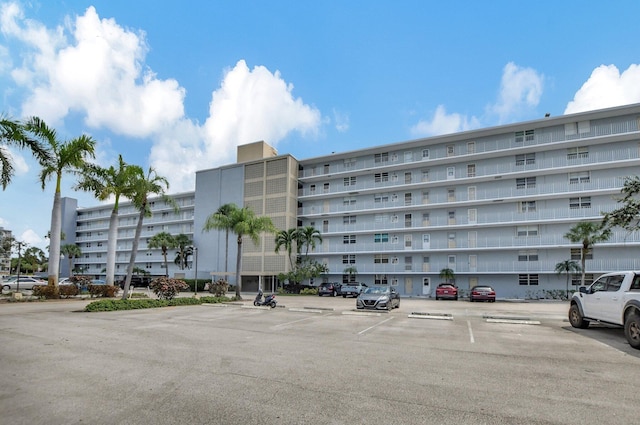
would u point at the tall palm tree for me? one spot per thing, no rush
(569, 267)
(104, 183)
(143, 186)
(242, 222)
(185, 249)
(70, 251)
(12, 133)
(224, 213)
(308, 236)
(587, 234)
(287, 239)
(164, 241)
(67, 156)
(448, 275)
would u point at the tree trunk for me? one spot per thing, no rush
(111, 247)
(54, 242)
(226, 252)
(166, 265)
(134, 252)
(238, 268)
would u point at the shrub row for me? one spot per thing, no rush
(114, 305)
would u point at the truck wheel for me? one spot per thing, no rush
(632, 330)
(576, 319)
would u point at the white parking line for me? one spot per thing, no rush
(292, 322)
(470, 332)
(377, 324)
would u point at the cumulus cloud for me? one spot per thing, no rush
(250, 105)
(99, 72)
(341, 121)
(605, 88)
(95, 68)
(30, 237)
(444, 123)
(520, 90)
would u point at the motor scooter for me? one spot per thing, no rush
(269, 300)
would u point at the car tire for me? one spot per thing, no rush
(6, 288)
(344, 296)
(334, 293)
(437, 298)
(576, 319)
(632, 330)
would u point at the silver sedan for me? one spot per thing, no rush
(379, 297)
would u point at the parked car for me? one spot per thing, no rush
(329, 288)
(137, 281)
(352, 289)
(25, 282)
(378, 297)
(482, 293)
(446, 291)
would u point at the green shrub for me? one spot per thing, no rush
(104, 291)
(67, 291)
(115, 305)
(218, 288)
(167, 288)
(309, 291)
(213, 300)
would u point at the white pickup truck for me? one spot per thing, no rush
(614, 298)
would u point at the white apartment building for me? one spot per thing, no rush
(492, 204)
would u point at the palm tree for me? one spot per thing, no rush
(12, 133)
(68, 156)
(308, 236)
(287, 239)
(71, 251)
(143, 186)
(164, 241)
(569, 267)
(185, 249)
(448, 275)
(242, 222)
(224, 213)
(104, 183)
(588, 234)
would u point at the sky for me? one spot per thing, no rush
(178, 85)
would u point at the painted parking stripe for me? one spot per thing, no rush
(471, 339)
(376, 325)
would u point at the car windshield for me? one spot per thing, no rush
(377, 290)
(483, 288)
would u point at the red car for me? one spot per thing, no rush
(482, 293)
(446, 291)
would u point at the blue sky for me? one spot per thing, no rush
(178, 85)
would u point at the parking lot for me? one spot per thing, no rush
(313, 360)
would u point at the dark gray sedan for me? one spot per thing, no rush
(379, 297)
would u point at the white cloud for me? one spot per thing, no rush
(606, 87)
(443, 123)
(99, 73)
(341, 120)
(520, 90)
(31, 238)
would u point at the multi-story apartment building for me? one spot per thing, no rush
(5, 253)
(493, 205)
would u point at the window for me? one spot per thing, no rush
(325, 226)
(312, 189)
(577, 252)
(407, 199)
(451, 261)
(578, 152)
(425, 175)
(576, 279)
(525, 183)
(528, 255)
(471, 170)
(381, 259)
(349, 201)
(451, 173)
(349, 181)
(381, 177)
(451, 150)
(425, 153)
(380, 158)
(451, 195)
(99, 243)
(165, 214)
(407, 220)
(326, 168)
(527, 231)
(380, 237)
(380, 198)
(349, 239)
(149, 228)
(522, 136)
(87, 245)
(526, 206)
(528, 279)
(580, 202)
(425, 219)
(408, 264)
(349, 163)
(527, 158)
(579, 177)
(380, 279)
(348, 278)
(471, 147)
(349, 219)
(408, 241)
(349, 259)
(325, 188)
(407, 178)
(452, 217)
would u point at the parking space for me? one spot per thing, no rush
(309, 361)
